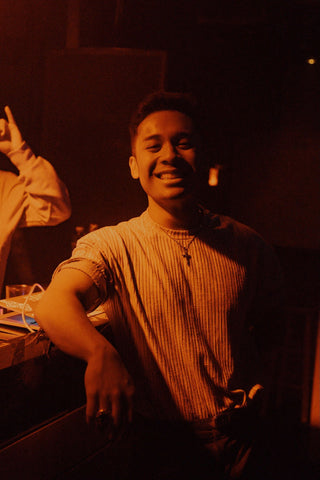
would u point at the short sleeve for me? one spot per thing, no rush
(88, 258)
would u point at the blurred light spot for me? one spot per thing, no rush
(214, 176)
(311, 61)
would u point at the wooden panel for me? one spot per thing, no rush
(90, 95)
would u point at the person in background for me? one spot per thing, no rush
(35, 197)
(193, 302)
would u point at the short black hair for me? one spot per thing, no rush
(163, 100)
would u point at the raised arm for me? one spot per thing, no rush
(108, 384)
(45, 197)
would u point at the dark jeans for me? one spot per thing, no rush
(172, 451)
(251, 448)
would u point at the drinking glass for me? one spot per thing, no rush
(17, 290)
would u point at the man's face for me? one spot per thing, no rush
(164, 156)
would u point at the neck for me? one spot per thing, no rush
(184, 216)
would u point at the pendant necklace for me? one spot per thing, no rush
(185, 249)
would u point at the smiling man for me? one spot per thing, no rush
(167, 136)
(185, 292)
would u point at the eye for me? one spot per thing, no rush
(155, 147)
(184, 144)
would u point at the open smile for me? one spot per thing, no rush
(171, 175)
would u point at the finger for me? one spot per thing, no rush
(92, 407)
(118, 419)
(122, 409)
(3, 127)
(9, 114)
(103, 415)
(105, 405)
(105, 424)
(103, 420)
(117, 410)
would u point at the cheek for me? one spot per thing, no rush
(146, 164)
(145, 175)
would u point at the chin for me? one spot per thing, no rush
(182, 197)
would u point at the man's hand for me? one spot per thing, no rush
(10, 136)
(109, 389)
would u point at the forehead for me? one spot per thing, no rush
(165, 123)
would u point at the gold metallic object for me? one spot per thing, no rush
(102, 416)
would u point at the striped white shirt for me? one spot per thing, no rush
(182, 328)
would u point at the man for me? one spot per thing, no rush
(35, 197)
(184, 291)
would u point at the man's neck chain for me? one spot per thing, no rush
(185, 248)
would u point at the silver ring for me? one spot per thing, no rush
(102, 415)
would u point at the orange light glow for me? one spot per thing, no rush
(213, 179)
(311, 61)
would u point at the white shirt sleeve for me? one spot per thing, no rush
(45, 197)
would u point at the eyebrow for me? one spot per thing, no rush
(152, 137)
(176, 136)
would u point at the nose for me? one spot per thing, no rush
(168, 152)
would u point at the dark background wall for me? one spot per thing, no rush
(246, 63)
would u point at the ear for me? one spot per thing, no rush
(133, 167)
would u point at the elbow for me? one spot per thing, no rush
(63, 208)
(41, 310)
(59, 212)
(37, 311)
(63, 215)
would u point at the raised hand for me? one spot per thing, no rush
(10, 136)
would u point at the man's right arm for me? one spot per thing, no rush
(45, 197)
(61, 313)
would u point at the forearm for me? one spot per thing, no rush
(63, 318)
(61, 313)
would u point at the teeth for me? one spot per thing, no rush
(169, 176)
